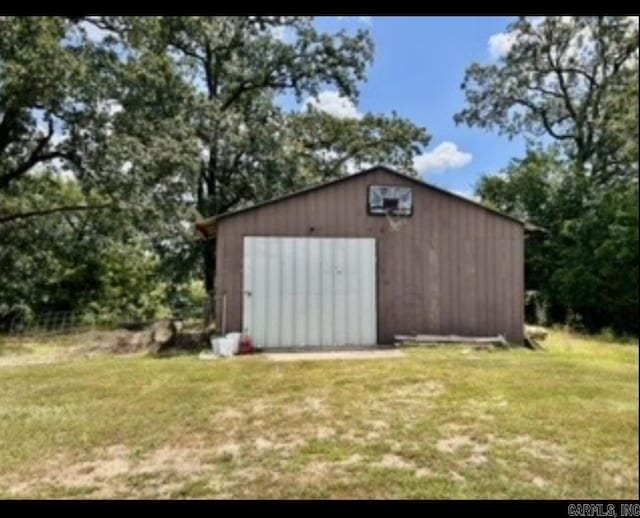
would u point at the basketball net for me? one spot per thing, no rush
(395, 222)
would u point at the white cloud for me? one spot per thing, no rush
(94, 33)
(500, 44)
(445, 155)
(334, 104)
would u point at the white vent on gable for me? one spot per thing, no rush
(396, 200)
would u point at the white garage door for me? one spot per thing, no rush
(309, 291)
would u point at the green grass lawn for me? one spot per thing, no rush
(445, 422)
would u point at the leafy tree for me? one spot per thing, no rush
(217, 96)
(558, 81)
(52, 93)
(83, 261)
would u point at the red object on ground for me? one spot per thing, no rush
(245, 345)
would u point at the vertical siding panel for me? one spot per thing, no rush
(413, 266)
(519, 247)
(474, 298)
(417, 267)
(340, 308)
(499, 299)
(498, 255)
(232, 271)
(465, 272)
(301, 322)
(287, 276)
(512, 283)
(427, 229)
(456, 265)
(473, 271)
(435, 300)
(503, 292)
(326, 309)
(481, 300)
(448, 210)
(488, 277)
(313, 279)
(496, 305)
(392, 277)
(445, 264)
(509, 280)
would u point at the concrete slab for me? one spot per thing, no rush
(335, 355)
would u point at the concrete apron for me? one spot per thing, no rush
(379, 354)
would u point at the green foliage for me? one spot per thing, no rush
(100, 263)
(153, 122)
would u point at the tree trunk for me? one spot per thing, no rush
(209, 259)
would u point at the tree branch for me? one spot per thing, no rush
(548, 125)
(46, 212)
(34, 159)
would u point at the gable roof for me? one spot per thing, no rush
(207, 226)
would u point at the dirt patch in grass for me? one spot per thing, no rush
(114, 471)
(394, 461)
(421, 389)
(452, 444)
(537, 449)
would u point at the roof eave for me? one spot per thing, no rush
(208, 227)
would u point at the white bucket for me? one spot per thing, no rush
(235, 338)
(224, 347)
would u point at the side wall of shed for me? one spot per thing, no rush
(451, 268)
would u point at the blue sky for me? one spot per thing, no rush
(417, 70)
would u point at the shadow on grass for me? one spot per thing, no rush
(177, 353)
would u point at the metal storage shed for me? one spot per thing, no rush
(360, 259)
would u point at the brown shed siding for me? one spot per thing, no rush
(451, 268)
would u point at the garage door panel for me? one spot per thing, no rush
(289, 295)
(354, 332)
(311, 320)
(298, 269)
(309, 291)
(340, 294)
(273, 295)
